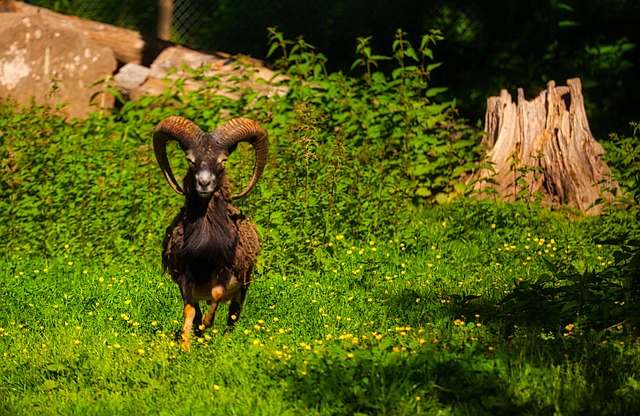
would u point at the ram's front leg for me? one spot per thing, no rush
(192, 312)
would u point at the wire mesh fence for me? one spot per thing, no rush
(124, 16)
(198, 23)
(189, 18)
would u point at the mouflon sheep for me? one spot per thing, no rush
(211, 247)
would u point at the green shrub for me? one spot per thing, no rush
(366, 149)
(349, 156)
(623, 156)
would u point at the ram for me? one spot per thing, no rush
(211, 247)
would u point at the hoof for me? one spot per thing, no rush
(186, 342)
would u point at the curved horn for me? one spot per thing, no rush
(237, 130)
(177, 128)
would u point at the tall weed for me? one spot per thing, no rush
(380, 144)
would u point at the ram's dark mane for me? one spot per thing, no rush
(209, 236)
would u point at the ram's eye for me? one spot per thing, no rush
(191, 161)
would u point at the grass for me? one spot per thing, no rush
(354, 327)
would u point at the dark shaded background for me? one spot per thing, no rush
(489, 44)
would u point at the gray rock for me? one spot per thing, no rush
(44, 62)
(131, 76)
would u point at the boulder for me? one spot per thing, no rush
(129, 46)
(51, 65)
(56, 59)
(130, 77)
(178, 62)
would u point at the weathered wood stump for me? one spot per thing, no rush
(543, 149)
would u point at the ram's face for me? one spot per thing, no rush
(207, 153)
(207, 167)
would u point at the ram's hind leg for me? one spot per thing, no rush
(235, 308)
(210, 316)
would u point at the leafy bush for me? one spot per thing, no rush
(372, 147)
(86, 183)
(623, 155)
(349, 156)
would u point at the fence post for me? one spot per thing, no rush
(165, 19)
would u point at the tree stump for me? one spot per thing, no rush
(543, 150)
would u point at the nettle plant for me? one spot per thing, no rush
(370, 146)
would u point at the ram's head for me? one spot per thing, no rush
(207, 153)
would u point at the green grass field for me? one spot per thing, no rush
(349, 327)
